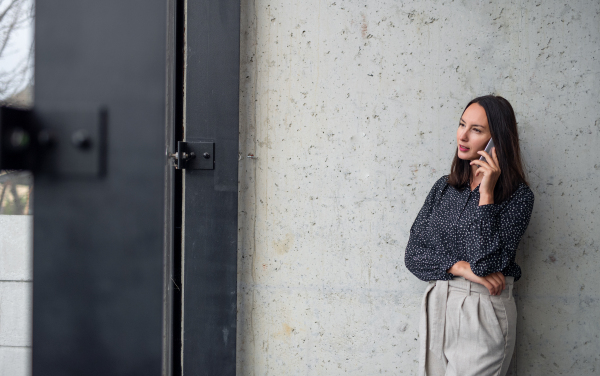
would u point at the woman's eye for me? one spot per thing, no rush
(477, 130)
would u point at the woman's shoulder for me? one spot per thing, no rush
(522, 194)
(440, 183)
(523, 190)
(443, 179)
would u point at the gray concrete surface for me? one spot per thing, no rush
(351, 108)
(15, 294)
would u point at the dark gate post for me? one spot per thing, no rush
(211, 196)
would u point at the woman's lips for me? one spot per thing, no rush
(462, 148)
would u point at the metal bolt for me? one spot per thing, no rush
(206, 155)
(81, 139)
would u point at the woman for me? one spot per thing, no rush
(464, 241)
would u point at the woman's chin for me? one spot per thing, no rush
(464, 156)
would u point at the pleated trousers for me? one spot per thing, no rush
(466, 331)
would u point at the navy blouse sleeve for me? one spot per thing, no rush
(427, 262)
(496, 232)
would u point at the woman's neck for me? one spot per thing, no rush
(475, 180)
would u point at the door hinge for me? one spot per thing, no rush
(69, 142)
(194, 156)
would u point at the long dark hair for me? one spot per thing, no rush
(503, 126)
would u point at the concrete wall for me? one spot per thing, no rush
(351, 108)
(15, 294)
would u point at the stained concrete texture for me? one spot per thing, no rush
(351, 108)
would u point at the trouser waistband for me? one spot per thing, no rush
(468, 286)
(438, 306)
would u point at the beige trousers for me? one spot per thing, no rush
(466, 331)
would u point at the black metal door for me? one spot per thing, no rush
(98, 236)
(117, 84)
(210, 196)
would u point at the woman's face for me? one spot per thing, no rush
(473, 132)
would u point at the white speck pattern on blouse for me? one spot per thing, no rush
(452, 227)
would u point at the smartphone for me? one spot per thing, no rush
(488, 149)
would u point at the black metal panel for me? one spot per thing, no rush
(98, 243)
(171, 318)
(210, 206)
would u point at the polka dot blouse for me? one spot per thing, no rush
(452, 227)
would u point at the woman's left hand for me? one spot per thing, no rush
(490, 168)
(498, 281)
(494, 282)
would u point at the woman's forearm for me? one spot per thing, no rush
(494, 282)
(459, 268)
